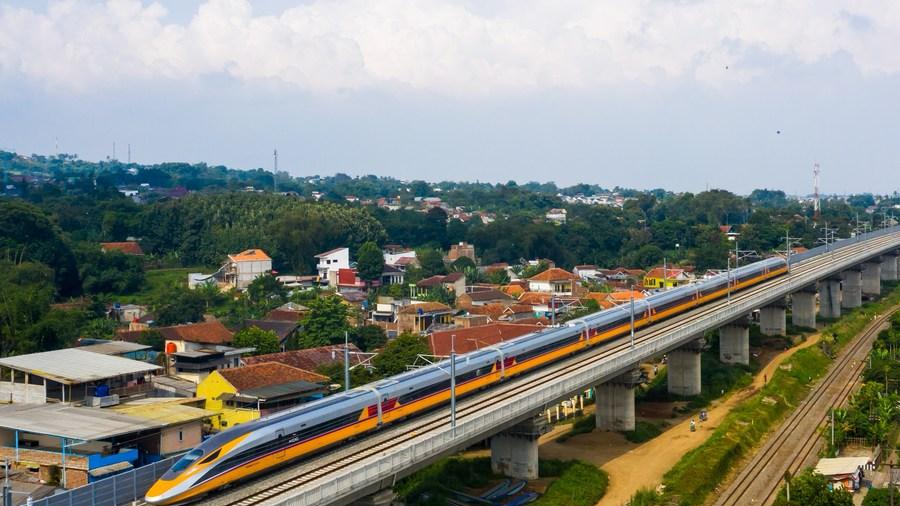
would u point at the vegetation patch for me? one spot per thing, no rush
(717, 379)
(579, 483)
(643, 432)
(430, 486)
(700, 470)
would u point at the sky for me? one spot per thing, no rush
(676, 94)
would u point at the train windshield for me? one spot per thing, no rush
(186, 461)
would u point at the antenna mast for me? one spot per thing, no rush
(817, 206)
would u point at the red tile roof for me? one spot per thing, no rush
(473, 338)
(671, 273)
(127, 247)
(554, 274)
(310, 359)
(205, 332)
(453, 277)
(266, 374)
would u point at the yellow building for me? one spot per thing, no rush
(674, 277)
(247, 393)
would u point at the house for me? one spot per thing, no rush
(471, 320)
(291, 281)
(73, 375)
(548, 304)
(455, 282)
(237, 272)
(392, 275)
(588, 272)
(620, 297)
(133, 351)
(556, 216)
(311, 359)
(247, 393)
(289, 311)
(393, 253)
(465, 340)
(126, 247)
(331, 262)
(418, 318)
(843, 472)
(285, 330)
(72, 445)
(127, 312)
(555, 280)
(181, 425)
(483, 297)
(193, 336)
(673, 277)
(196, 364)
(463, 249)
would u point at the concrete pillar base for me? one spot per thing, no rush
(889, 268)
(734, 343)
(615, 402)
(871, 278)
(851, 289)
(830, 299)
(803, 309)
(684, 370)
(773, 320)
(514, 452)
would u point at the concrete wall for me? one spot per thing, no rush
(803, 309)
(734, 344)
(20, 392)
(514, 456)
(684, 372)
(182, 437)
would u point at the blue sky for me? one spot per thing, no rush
(645, 94)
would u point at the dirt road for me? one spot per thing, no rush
(632, 466)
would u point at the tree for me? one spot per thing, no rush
(325, 323)
(179, 305)
(811, 489)
(498, 277)
(109, 272)
(461, 264)
(266, 290)
(26, 291)
(431, 262)
(400, 353)
(369, 262)
(265, 341)
(369, 337)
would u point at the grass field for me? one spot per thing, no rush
(155, 284)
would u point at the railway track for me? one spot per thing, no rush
(795, 442)
(263, 489)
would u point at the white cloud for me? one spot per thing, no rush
(443, 47)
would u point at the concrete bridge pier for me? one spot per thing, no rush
(773, 319)
(734, 342)
(889, 266)
(514, 452)
(684, 369)
(615, 402)
(803, 307)
(871, 278)
(851, 288)
(830, 298)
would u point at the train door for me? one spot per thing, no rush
(282, 444)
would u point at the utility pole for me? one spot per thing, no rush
(665, 275)
(453, 384)
(275, 173)
(728, 278)
(346, 361)
(631, 293)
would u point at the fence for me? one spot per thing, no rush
(119, 489)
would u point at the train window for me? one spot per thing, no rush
(189, 458)
(212, 456)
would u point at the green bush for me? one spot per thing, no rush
(643, 432)
(579, 484)
(429, 486)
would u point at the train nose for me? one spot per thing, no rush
(159, 493)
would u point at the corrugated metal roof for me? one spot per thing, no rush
(73, 422)
(840, 465)
(282, 390)
(165, 412)
(73, 366)
(114, 347)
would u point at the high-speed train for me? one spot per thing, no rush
(251, 448)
